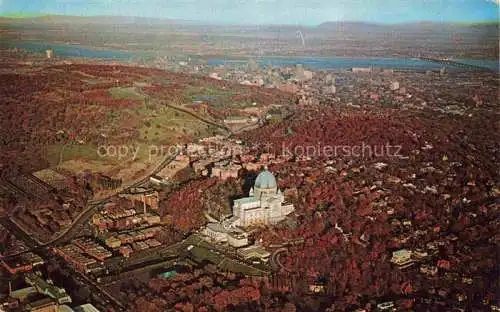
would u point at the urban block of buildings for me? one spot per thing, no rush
(24, 262)
(122, 216)
(224, 170)
(146, 197)
(77, 258)
(41, 295)
(47, 288)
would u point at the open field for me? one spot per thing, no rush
(169, 126)
(126, 93)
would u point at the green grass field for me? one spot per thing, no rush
(215, 95)
(70, 151)
(92, 81)
(201, 254)
(126, 94)
(164, 125)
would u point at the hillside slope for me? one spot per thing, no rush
(53, 113)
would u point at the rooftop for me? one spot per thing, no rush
(246, 200)
(254, 251)
(86, 308)
(22, 293)
(265, 179)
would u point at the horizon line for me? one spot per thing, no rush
(27, 15)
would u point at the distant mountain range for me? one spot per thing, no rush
(101, 20)
(344, 38)
(411, 27)
(354, 26)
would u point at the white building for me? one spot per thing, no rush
(402, 258)
(265, 205)
(394, 86)
(308, 75)
(216, 232)
(225, 232)
(361, 69)
(330, 89)
(254, 252)
(215, 76)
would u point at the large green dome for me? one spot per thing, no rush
(265, 180)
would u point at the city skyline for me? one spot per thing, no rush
(268, 11)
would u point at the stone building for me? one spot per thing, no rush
(225, 232)
(265, 205)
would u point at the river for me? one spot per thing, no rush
(349, 62)
(68, 50)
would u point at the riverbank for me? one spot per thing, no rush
(311, 62)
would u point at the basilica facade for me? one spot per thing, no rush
(265, 204)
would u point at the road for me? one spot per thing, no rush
(228, 253)
(74, 229)
(96, 290)
(205, 120)
(13, 228)
(90, 210)
(275, 259)
(445, 62)
(248, 127)
(85, 215)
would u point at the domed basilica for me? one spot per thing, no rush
(265, 204)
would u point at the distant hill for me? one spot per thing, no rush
(424, 26)
(329, 25)
(86, 105)
(101, 20)
(344, 38)
(349, 25)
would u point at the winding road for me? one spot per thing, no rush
(275, 259)
(74, 228)
(201, 118)
(87, 213)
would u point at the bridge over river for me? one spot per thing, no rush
(448, 62)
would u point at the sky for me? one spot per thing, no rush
(306, 12)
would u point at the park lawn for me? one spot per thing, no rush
(201, 254)
(133, 161)
(130, 93)
(70, 151)
(169, 126)
(233, 266)
(208, 94)
(93, 81)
